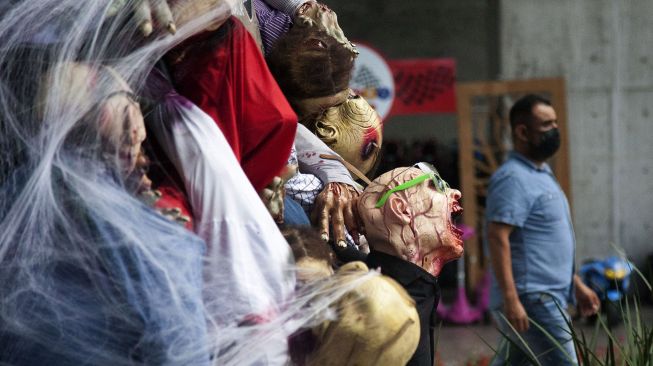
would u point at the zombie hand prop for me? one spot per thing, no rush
(336, 205)
(272, 197)
(148, 13)
(174, 214)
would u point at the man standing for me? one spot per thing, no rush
(532, 246)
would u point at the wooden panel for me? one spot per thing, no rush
(483, 135)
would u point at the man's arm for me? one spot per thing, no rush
(588, 302)
(499, 245)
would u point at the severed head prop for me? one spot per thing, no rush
(354, 130)
(314, 14)
(407, 212)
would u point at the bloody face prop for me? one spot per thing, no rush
(354, 130)
(407, 212)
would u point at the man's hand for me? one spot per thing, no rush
(336, 205)
(588, 301)
(516, 314)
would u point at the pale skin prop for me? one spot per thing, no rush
(407, 213)
(354, 130)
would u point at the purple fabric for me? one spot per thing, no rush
(272, 23)
(287, 6)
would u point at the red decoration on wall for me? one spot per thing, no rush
(424, 86)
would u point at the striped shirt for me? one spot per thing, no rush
(273, 24)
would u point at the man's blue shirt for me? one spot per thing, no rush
(542, 244)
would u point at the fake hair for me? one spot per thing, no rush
(308, 63)
(306, 242)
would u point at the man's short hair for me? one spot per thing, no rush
(522, 111)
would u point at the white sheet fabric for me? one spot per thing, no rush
(248, 268)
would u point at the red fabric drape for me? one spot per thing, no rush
(226, 76)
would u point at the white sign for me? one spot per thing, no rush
(373, 80)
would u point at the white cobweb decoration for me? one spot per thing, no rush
(88, 274)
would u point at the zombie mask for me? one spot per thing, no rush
(124, 130)
(315, 106)
(354, 130)
(312, 69)
(379, 304)
(114, 117)
(408, 212)
(314, 14)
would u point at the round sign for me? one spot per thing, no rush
(373, 80)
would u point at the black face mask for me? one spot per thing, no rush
(547, 146)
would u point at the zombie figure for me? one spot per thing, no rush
(407, 215)
(276, 17)
(377, 324)
(312, 68)
(312, 63)
(354, 130)
(224, 74)
(106, 280)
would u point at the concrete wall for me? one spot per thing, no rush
(604, 49)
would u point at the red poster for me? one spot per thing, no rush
(423, 86)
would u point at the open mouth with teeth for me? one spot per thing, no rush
(456, 215)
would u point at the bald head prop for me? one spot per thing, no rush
(407, 213)
(353, 129)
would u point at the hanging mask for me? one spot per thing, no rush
(354, 130)
(314, 14)
(548, 145)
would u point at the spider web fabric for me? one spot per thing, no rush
(88, 274)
